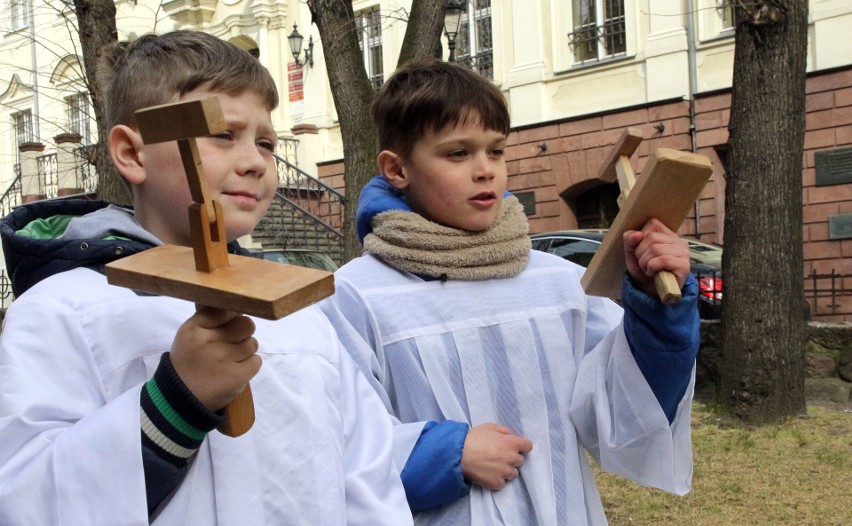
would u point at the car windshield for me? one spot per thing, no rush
(705, 254)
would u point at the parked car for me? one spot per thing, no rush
(579, 246)
(301, 257)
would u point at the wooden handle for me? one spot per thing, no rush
(239, 413)
(667, 288)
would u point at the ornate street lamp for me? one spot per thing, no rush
(452, 20)
(295, 39)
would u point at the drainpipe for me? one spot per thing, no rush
(693, 83)
(35, 72)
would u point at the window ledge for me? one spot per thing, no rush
(609, 61)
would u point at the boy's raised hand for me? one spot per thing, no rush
(492, 455)
(652, 249)
(215, 355)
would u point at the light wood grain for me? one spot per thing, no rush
(669, 185)
(253, 286)
(206, 274)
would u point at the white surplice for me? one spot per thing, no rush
(533, 353)
(74, 354)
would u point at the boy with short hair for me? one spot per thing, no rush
(107, 396)
(498, 367)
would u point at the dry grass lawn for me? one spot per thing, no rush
(798, 473)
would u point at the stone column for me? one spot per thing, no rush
(30, 183)
(68, 179)
(309, 148)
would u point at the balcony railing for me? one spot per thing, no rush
(592, 42)
(482, 63)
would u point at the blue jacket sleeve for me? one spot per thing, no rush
(432, 475)
(664, 340)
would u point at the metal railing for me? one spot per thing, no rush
(6, 296)
(12, 196)
(85, 168)
(482, 63)
(287, 150)
(305, 213)
(832, 286)
(48, 175)
(592, 42)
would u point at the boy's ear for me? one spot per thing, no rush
(390, 166)
(125, 146)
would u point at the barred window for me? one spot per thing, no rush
(599, 30)
(77, 109)
(475, 43)
(369, 25)
(22, 122)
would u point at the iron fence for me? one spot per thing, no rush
(833, 288)
(48, 175)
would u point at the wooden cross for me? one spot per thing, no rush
(205, 273)
(671, 182)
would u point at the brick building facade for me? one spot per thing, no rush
(553, 169)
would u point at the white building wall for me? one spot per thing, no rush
(533, 63)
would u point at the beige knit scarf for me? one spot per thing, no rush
(410, 242)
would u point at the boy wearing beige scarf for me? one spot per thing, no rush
(496, 367)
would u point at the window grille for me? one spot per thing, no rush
(77, 109)
(22, 122)
(475, 43)
(369, 25)
(599, 30)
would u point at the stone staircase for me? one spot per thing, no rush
(305, 214)
(287, 226)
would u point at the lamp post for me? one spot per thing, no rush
(452, 20)
(295, 40)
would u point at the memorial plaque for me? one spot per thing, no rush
(840, 226)
(833, 166)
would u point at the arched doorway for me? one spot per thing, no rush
(593, 206)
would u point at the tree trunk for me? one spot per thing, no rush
(423, 33)
(96, 24)
(353, 93)
(763, 321)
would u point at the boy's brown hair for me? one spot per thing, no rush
(426, 95)
(159, 69)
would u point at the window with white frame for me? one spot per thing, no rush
(22, 122)
(715, 19)
(19, 11)
(77, 110)
(598, 30)
(474, 46)
(725, 9)
(369, 26)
